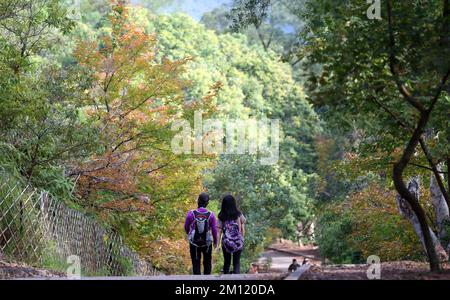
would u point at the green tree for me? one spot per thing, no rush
(39, 121)
(269, 197)
(387, 78)
(254, 83)
(272, 24)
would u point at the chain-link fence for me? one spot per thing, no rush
(41, 231)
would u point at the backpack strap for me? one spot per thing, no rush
(196, 213)
(208, 216)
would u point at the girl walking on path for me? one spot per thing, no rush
(232, 231)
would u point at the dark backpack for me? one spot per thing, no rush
(232, 240)
(201, 236)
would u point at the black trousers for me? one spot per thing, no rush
(196, 256)
(236, 262)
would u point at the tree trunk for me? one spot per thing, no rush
(407, 212)
(440, 206)
(410, 198)
(448, 170)
(436, 171)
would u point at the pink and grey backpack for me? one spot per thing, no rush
(232, 240)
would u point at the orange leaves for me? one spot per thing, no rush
(126, 70)
(85, 54)
(110, 172)
(119, 15)
(134, 178)
(172, 256)
(135, 94)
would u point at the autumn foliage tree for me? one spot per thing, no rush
(133, 100)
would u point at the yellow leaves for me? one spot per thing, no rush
(169, 255)
(374, 199)
(128, 205)
(377, 226)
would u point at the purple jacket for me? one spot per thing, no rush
(190, 223)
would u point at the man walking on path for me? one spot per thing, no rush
(201, 228)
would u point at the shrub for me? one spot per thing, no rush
(366, 223)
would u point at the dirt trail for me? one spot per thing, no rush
(14, 270)
(278, 261)
(397, 270)
(280, 256)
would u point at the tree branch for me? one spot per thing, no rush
(426, 168)
(394, 65)
(261, 37)
(435, 170)
(160, 167)
(439, 91)
(391, 113)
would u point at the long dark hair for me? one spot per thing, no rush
(229, 210)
